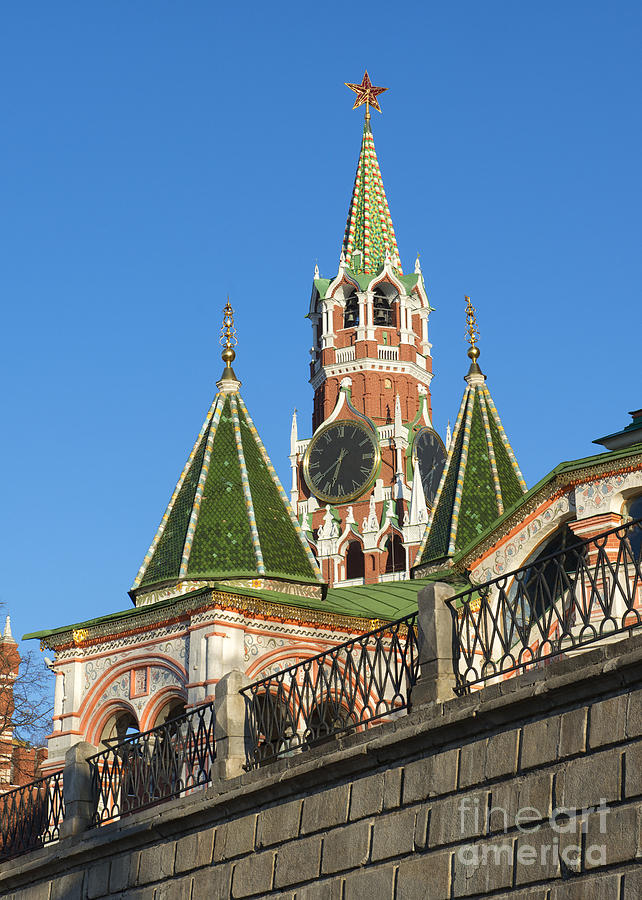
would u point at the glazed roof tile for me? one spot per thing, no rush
(369, 229)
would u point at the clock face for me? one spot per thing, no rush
(341, 461)
(429, 450)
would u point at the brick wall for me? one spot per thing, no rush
(531, 789)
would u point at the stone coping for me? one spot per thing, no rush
(561, 685)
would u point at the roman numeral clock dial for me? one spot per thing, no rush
(341, 461)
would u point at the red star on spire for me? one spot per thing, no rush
(366, 93)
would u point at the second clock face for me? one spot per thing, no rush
(429, 450)
(341, 461)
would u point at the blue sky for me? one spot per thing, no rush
(158, 156)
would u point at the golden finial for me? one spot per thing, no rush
(366, 93)
(473, 331)
(228, 335)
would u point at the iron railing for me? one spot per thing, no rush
(152, 766)
(349, 686)
(30, 816)
(554, 605)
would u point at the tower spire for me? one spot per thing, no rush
(481, 477)
(369, 231)
(229, 517)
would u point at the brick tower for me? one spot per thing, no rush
(371, 365)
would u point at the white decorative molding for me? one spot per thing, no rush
(605, 495)
(515, 551)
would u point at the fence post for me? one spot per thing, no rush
(77, 790)
(229, 727)
(436, 635)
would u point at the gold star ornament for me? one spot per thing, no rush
(366, 93)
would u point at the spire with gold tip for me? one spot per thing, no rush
(481, 477)
(229, 519)
(369, 233)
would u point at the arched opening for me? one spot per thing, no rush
(123, 774)
(382, 310)
(396, 558)
(351, 312)
(327, 717)
(634, 511)
(120, 726)
(355, 563)
(545, 583)
(172, 710)
(271, 725)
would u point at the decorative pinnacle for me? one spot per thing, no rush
(227, 337)
(473, 331)
(366, 93)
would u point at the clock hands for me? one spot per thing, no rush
(335, 466)
(338, 466)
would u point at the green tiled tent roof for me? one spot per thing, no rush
(481, 477)
(369, 230)
(229, 516)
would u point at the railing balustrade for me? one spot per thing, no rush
(155, 765)
(31, 816)
(558, 604)
(555, 605)
(350, 686)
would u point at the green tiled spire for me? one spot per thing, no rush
(481, 477)
(229, 517)
(369, 231)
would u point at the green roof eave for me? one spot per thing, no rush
(409, 281)
(634, 426)
(563, 468)
(388, 601)
(114, 617)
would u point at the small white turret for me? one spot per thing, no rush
(294, 435)
(418, 512)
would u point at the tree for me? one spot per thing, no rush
(25, 710)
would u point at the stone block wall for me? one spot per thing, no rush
(531, 789)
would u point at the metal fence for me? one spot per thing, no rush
(555, 605)
(349, 686)
(30, 816)
(152, 766)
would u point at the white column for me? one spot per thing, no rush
(405, 320)
(369, 317)
(361, 329)
(59, 700)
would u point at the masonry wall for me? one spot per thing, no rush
(435, 805)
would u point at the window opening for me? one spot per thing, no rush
(351, 313)
(355, 562)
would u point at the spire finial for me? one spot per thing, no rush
(228, 342)
(366, 93)
(473, 331)
(228, 339)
